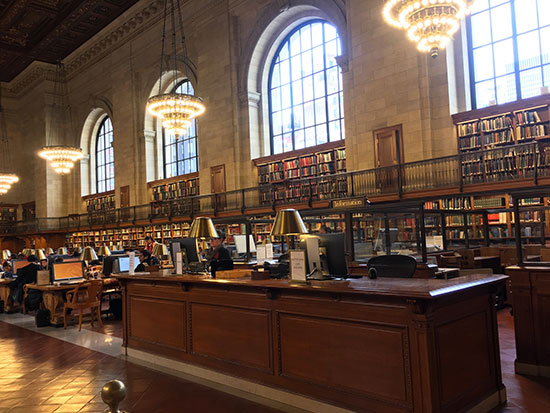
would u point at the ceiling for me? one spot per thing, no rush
(49, 30)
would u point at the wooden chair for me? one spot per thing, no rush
(86, 295)
(467, 260)
(449, 260)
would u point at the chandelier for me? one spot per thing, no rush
(60, 157)
(7, 179)
(175, 110)
(429, 23)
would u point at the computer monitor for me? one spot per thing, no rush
(108, 263)
(17, 264)
(335, 251)
(189, 245)
(240, 243)
(124, 264)
(63, 271)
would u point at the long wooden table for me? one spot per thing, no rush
(54, 297)
(384, 345)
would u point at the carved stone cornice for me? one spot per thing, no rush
(149, 135)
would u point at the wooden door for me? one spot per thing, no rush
(388, 152)
(217, 185)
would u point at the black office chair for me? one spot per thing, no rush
(397, 266)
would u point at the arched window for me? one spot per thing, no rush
(104, 155)
(305, 89)
(509, 46)
(180, 152)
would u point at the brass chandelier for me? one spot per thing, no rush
(429, 23)
(175, 110)
(61, 158)
(7, 178)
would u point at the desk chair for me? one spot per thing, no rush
(545, 254)
(86, 295)
(397, 266)
(467, 258)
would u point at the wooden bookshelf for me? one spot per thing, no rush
(100, 202)
(8, 213)
(29, 211)
(280, 170)
(499, 127)
(167, 195)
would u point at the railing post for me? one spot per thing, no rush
(536, 165)
(242, 201)
(352, 182)
(423, 234)
(444, 230)
(215, 204)
(399, 181)
(517, 226)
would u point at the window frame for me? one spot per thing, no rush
(514, 37)
(102, 135)
(273, 62)
(183, 139)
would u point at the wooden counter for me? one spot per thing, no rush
(530, 285)
(385, 345)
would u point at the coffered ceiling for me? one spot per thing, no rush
(49, 30)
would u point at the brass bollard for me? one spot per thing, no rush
(112, 393)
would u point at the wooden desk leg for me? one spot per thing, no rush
(5, 297)
(51, 301)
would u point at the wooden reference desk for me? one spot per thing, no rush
(384, 345)
(53, 297)
(531, 303)
(492, 261)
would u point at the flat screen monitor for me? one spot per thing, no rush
(334, 246)
(240, 243)
(68, 270)
(108, 263)
(124, 263)
(189, 245)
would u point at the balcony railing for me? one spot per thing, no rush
(504, 164)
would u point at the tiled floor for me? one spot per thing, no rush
(525, 393)
(44, 374)
(40, 373)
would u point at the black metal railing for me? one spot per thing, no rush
(501, 164)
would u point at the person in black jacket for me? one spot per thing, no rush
(146, 260)
(25, 275)
(217, 256)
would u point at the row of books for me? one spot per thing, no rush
(505, 136)
(532, 131)
(498, 218)
(499, 122)
(526, 117)
(468, 128)
(176, 190)
(100, 203)
(471, 142)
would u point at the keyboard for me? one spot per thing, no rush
(70, 282)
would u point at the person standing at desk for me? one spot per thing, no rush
(149, 243)
(217, 256)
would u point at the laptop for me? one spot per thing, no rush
(68, 272)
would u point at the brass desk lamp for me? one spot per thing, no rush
(88, 255)
(6, 255)
(202, 228)
(40, 254)
(49, 251)
(160, 251)
(62, 251)
(288, 222)
(104, 251)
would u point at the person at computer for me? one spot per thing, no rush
(44, 264)
(25, 275)
(146, 260)
(217, 256)
(8, 272)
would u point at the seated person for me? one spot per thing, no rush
(146, 260)
(217, 256)
(44, 264)
(25, 275)
(8, 273)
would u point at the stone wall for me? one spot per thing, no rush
(386, 82)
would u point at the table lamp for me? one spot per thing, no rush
(6, 255)
(160, 251)
(62, 251)
(288, 222)
(203, 227)
(40, 254)
(104, 251)
(32, 251)
(87, 255)
(78, 250)
(49, 251)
